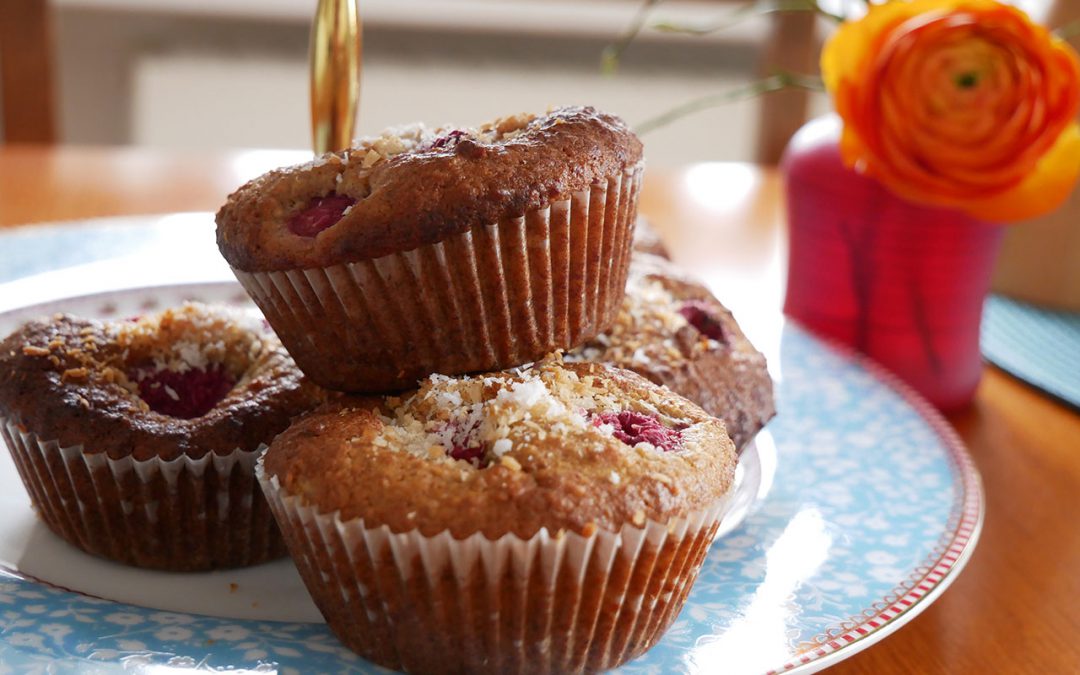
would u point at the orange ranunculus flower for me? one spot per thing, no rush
(961, 103)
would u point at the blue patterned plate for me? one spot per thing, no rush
(863, 507)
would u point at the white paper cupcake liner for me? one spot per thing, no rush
(183, 514)
(547, 604)
(492, 297)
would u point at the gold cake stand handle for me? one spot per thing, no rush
(335, 74)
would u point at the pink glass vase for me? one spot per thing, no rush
(900, 282)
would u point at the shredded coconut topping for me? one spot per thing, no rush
(652, 327)
(417, 137)
(308, 217)
(192, 337)
(479, 420)
(193, 350)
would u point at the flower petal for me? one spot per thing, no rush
(962, 103)
(1043, 190)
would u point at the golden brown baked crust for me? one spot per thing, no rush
(71, 379)
(536, 452)
(423, 189)
(654, 335)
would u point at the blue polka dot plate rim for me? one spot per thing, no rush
(862, 506)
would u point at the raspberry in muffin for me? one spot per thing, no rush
(545, 519)
(447, 250)
(672, 331)
(136, 440)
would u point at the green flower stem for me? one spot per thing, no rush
(609, 59)
(775, 82)
(748, 11)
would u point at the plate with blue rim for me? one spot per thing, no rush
(860, 506)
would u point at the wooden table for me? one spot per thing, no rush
(1015, 609)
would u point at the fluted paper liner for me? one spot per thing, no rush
(183, 514)
(495, 296)
(547, 604)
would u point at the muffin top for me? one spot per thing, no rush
(186, 381)
(567, 447)
(673, 331)
(413, 186)
(665, 318)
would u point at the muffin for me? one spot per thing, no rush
(672, 331)
(451, 251)
(548, 519)
(137, 440)
(646, 240)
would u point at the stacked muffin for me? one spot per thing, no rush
(546, 515)
(547, 518)
(441, 251)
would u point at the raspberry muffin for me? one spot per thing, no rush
(646, 240)
(137, 440)
(672, 331)
(451, 251)
(549, 519)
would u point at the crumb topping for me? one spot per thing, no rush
(501, 130)
(187, 382)
(654, 327)
(567, 447)
(416, 185)
(190, 339)
(178, 363)
(320, 213)
(479, 421)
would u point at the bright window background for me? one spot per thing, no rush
(214, 74)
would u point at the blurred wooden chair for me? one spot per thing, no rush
(28, 111)
(792, 47)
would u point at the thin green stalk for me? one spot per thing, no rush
(748, 11)
(609, 59)
(775, 82)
